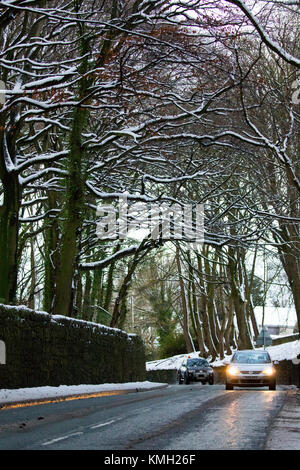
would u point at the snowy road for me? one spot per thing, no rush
(180, 417)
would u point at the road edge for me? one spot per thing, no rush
(77, 396)
(284, 431)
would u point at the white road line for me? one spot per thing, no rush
(104, 424)
(48, 443)
(62, 438)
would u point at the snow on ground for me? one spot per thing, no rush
(279, 352)
(173, 362)
(284, 351)
(37, 393)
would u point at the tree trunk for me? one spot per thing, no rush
(120, 307)
(79, 294)
(248, 289)
(194, 309)
(244, 338)
(51, 255)
(229, 332)
(74, 205)
(9, 232)
(109, 282)
(86, 307)
(186, 331)
(202, 302)
(211, 311)
(31, 299)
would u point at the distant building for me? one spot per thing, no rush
(278, 320)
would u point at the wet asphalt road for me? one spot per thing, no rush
(180, 417)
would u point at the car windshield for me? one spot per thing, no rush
(197, 363)
(251, 358)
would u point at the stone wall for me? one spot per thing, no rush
(288, 373)
(42, 349)
(168, 376)
(285, 339)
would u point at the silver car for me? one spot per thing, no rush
(251, 368)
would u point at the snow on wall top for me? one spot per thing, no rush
(59, 318)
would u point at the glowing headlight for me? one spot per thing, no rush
(269, 371)
(232, 370)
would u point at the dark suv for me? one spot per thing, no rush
(195, 369)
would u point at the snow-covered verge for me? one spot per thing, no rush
(281, 352)
(286, 351)
(173, 362)
(40, 393)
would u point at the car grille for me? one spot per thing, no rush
(250, 372)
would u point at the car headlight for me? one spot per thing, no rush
(269, 371)
(232, 370)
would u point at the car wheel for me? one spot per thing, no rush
(229, 386)
(203, 382)
(211, 380)
(272, 386)
(186, 379)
